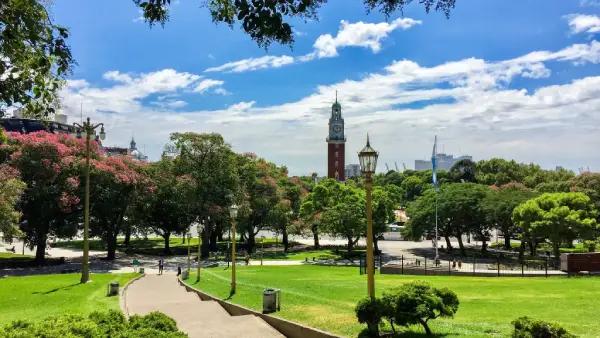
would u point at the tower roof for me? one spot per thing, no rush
(336, 104)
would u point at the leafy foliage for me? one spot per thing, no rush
(370, 311)
(559, 217)
(266, 21)
(526, 327)
(96, 325)
(417, 303)
(11, 188)
(35, 57)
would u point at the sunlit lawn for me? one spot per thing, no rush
(36, 297)
(324, 297)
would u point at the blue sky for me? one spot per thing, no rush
(497, 78)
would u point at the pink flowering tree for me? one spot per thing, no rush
(50, 165)
(115, 183)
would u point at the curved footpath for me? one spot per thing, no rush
(197, 318)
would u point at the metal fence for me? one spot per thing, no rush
(473, 266)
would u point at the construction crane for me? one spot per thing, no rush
(404, 165)
(396, 165)
(387, 168)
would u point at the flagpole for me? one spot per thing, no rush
(437, 256)
(435, 186)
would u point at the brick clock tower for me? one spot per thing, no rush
(336, 142)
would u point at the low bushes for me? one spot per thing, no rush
(97, 325)
(411, 303)
(530, 328)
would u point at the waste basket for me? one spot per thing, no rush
(113, 288)
(141, 270)
(185, 274)
(271, 300)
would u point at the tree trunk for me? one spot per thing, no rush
(167, 236)
(425, 326)
(285, 241)
(205, 245)
(212, 245)
(483, 245)
(220, 236)
(506, 240)
(315, 231)
(556, 249)
(448, 243)
(532, 247)
(127, 236)
(461, 244)
(350, 245)
(40, 250)
(111, 246)
(251, 242)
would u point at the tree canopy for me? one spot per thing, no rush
(35, 57)
(268, 21)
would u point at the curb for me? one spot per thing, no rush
(122, 300)
(284, 326)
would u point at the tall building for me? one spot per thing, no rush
(444, 162)
(336, 142)
(352, 170)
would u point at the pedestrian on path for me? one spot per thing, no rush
(161, 265)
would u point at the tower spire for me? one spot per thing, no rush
(336, 96)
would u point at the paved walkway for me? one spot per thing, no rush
(197, 318)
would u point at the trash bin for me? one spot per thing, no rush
(113, 288)
(271, 300)
(185, 274)
(141, 270)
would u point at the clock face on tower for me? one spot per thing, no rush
(337, 129)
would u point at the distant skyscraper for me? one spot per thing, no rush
(352, 170)
(336, 142)
(443, 162)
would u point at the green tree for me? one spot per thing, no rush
(347, 216)
(268, 21)
(589, 184)
(418, 303)
(498, 206)
(35, 57)
(413, 187)
(116, 180)
(11, 188)
(558, 216)
(386, 200)
(211, 164)
(168, 205)
(463, 171)
(315, 203)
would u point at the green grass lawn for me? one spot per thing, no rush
(36, 297)
(14, 256)
(324, 297)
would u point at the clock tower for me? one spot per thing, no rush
(336, 142)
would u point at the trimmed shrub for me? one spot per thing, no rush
(110, 324)
(369, 312)
(417, 303)
(526, 327)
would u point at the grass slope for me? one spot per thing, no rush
(36, 297)
(324, 297)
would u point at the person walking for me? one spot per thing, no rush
(161, 265)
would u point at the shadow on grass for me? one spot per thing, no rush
(66, 287)
(402, 334)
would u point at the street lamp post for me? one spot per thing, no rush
(189, 259)
(262, 249)
(88, 128)
(368, 162)
(233, 211)
(200, 226)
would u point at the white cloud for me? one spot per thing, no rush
(267, 61)
(584, 23)
(358, 34)
(129, 90)
(205, 85)
(468, 102)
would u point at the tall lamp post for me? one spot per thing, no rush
(368, 162)
(233, 211)
(201, 225)
(88, 128)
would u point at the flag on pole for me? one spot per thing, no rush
(434, 162)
